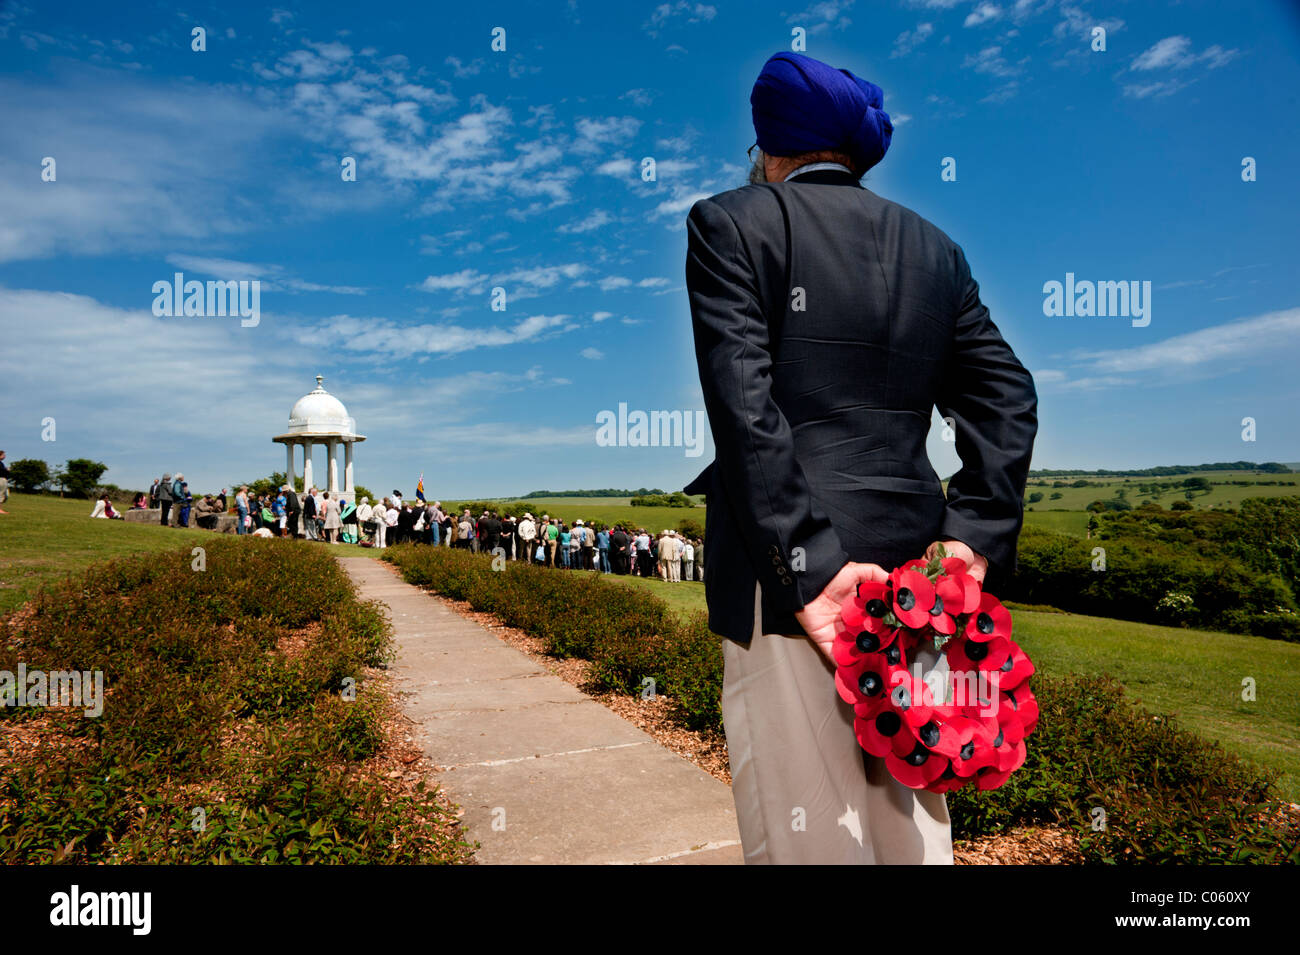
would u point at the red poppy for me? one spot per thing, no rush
(849, 647)
(960, 591)
(918, 769)
(990, 619)
(971, 655)
(877, 733)
(911, 697)
(913, 597)
(975, 749)
(863, 680)
(943, 736)
(867, 610)
(948, 781)
(1015, 670)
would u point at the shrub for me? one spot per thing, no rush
(222, 694)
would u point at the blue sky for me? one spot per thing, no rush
(520, 169)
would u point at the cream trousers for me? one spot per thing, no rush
(805, 791)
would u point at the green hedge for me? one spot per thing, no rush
(1153, 582)
(627, 634)
(206, 707)
(1168, 795)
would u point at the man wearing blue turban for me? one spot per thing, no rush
(829, 322)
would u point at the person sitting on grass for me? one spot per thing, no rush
(104, 508)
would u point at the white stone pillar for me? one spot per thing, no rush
(307, 480)
(334, 467)
(288, 472)
(348, 487)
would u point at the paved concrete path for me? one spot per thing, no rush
(544, 773)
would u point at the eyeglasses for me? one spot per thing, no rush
(750, 151)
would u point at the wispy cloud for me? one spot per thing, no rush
(1205, 353)
(909, 40)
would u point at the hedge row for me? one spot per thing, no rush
(628, 635)
(222, 694)
(1167, 795)
(1152, 582)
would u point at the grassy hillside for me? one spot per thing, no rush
(45, 538)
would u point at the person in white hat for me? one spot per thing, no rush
(527, 532)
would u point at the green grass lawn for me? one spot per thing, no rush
(1193, 674)
(45, 538)
(1074, 523)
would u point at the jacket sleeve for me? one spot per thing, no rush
(793, 548)
(991, 399)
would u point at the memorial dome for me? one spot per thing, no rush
(319, 412)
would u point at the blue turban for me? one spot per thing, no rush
(801, 105)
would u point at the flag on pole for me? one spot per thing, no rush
(419, 489)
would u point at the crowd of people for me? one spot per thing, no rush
(546, 541)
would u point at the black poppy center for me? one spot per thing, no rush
(918, 756)
(998, 741)
(868, 642)
(938, 606)
(888, 723)
(1007, 665)
(984, 623)
(876, 607)
(976, 651)
(929, 733)
(870, 683)
(905, 599)
(893, 654)
(968, 751)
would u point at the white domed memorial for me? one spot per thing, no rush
(320, 418)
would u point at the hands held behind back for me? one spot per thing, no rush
(819, 616)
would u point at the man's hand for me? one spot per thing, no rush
(976, 565)
(818, 617)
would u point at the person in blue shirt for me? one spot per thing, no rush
(602, 549)
(279, 512)
(564, 545)
(187, 501)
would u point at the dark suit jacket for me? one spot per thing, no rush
(829, 322)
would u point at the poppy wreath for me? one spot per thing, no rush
(976, 729)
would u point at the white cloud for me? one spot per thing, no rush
(822, 16)
(909, 40)
(983, 13)
(990, 61)
(595, 354)
(274, 278)
(665, 14)
(1175, 53)
(592, 221)
(1209, 352)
